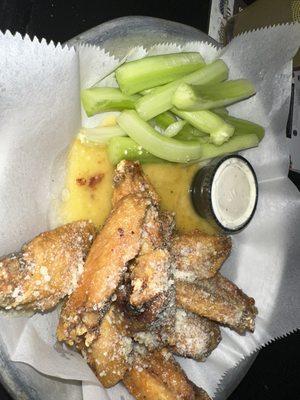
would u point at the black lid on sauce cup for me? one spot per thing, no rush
(240, 189)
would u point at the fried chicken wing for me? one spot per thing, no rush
(118, 242)
(218, 299)
(151, 275)
(158, 376)
(129, 179)
(194, 337)
(110, 354)
(47, 268)
(199, 255)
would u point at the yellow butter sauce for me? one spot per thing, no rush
(89, 188)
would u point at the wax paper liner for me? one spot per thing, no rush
(265, 256)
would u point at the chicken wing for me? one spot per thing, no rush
(158, 376)
(118, 242)
(218, 299)
(109, 355)
(129, 179)
(47, 268)
(151, 276)
(194, 337)
(199, 255)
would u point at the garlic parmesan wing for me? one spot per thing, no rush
(110, 354)
(194, 336)
(130, 179)
(158, 376)
(47, 268)
(199, 255)
(218, 299)
(118, 242)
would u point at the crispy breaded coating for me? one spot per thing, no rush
(158, 376)
(199, 255)
(129, 179)
(218, 299)
(47, 268)
(151, 276)
(194, 337)
(118, 242)
(109, 355)
(150, 273)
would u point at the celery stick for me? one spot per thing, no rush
(186, 135)
(194, 97)
(166, 148)
(244, 127)
(208, 122)
(164, 120)
(159, 100)
(124, 148)
(173, 129)
(99, 135)
(236, 143)
(222, 111)
(98, 99)
(148, 72)
(147, 91)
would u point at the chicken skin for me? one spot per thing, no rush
(47, 269)
(218, 299)
(158, 376)
(118, 242)
(198, 255)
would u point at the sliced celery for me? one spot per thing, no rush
(98, 99)
(194, 97)
(208, 122)
(222, 111)
(148, 72)
(173, 129)
(244, 127)
(124, 148)
(186, 135)
(100, 135)
(164, 120)
(166, 148)
(146, 91)
(236, 143)
(159, 100)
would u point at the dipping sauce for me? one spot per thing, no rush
(225, 192)
(88, 188)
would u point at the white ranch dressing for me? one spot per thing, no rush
(233, 193)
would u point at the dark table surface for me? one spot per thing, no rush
(276, 371)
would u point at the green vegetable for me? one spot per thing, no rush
(148, 72)
(166, 148)
(194, 98)
(223, 112)
(186, 135)
(164, 120)
(99, 135)
(236, 143)
(173, 129)
(98, 99)
(160, 99)
(208, 122)
(124, 148)
(146, 91)
(243, 127)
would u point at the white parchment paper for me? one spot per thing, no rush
(40, 114)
